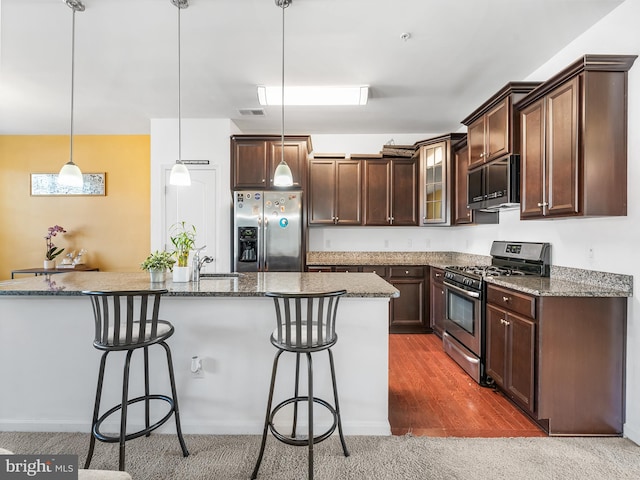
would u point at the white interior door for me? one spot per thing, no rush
(195, 205)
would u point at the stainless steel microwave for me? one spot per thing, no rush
(495, 185)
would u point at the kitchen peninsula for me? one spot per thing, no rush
(49, 363)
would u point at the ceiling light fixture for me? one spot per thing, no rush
(310, 95)
(282, 177)
(179, 172)
(70, 174)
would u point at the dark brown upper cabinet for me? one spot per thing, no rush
(254, 159)
(436, 185)
(335, 195)
(493, 129)
(389, 190)
(574, 141)
(462, 213)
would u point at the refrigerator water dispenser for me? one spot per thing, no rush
(247, 244)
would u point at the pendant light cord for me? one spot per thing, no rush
(285, 4)
(179, 94)
(73, 56)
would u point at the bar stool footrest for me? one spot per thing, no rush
(302, 442)
(113, 439)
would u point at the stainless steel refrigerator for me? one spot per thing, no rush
(267, 231)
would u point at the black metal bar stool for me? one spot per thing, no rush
(305, 324)
(127, 321)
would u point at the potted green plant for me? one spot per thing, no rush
(183, 238)
(157, 264)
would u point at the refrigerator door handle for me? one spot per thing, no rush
(265, 267)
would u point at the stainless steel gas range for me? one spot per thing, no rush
(465, 293)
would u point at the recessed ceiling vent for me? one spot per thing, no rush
(252, 112)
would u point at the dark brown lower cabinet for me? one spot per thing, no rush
(408, 312)
(561, 359)
(318, 269)
(511, 354)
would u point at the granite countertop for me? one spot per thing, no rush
(433, 259)
(556, 287)
(238, 285)
(563, 282)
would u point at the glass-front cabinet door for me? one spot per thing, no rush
(434, 169)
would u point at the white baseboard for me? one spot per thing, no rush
(632, 432)
(201, 428)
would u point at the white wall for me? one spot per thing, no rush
(202, 139)
(614, 242)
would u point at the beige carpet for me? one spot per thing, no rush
(384, 458)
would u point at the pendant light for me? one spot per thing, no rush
(282, 177)
(179, 172)
(70, 175)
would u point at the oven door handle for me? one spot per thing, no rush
(462, 290)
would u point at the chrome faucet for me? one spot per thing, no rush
(198, 262)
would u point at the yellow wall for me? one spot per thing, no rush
(113, 228)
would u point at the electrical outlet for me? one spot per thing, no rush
(386, 243)
(197, 369)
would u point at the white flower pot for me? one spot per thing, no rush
(157, 276)
(49, 264)
(181, 274)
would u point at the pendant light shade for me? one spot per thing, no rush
(282, 177)
(70, 174)
(180, 175)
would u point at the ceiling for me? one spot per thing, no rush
(459, 54)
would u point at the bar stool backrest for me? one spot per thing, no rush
(128, 318)
(305, 320)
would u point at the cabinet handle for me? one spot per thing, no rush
(337, 219)
(482, 155)
(504, 322)
(543, 204)
(505, 299)
(438, 275)
(406, 272)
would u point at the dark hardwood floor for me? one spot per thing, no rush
(430, 395)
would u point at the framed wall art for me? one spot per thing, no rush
(47, 184)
